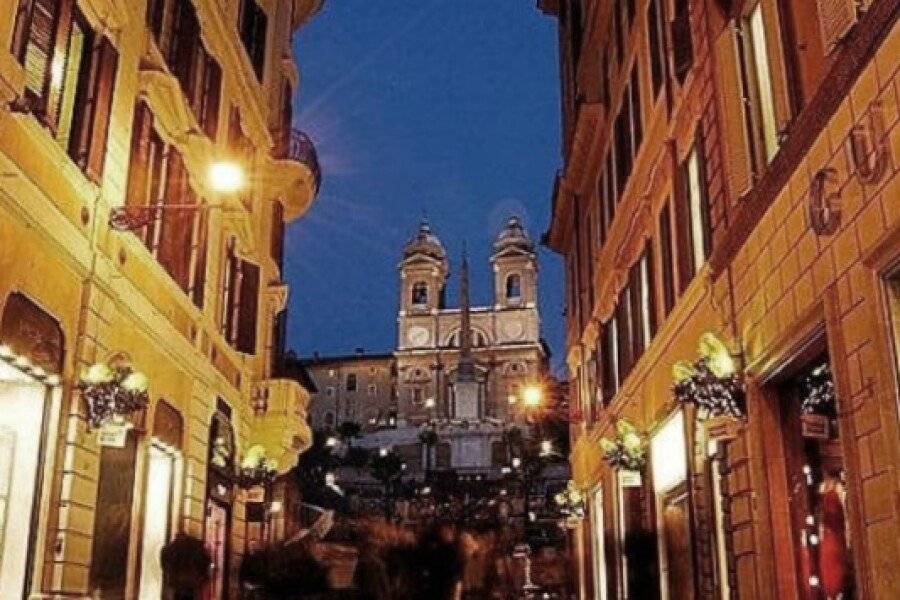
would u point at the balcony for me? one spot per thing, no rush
(296, 174)
(279, 421)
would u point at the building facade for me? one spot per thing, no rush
(359, 388)
(468, 386)
(727, 211)
(119, 122)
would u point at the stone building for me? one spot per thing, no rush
(730, 177)
(120, 123)
(359, 388)
(461, 369)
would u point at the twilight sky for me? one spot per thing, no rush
(447, 108)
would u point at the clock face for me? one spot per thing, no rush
(514, 330)
(418, 336)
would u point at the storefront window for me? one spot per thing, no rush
(669, 456)
(29, 407)
(892, 285)
(598, 546)
(163, 489)
(817, 485)
(220, 492)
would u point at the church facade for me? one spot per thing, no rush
(459, 371)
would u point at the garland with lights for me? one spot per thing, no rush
(112, 391)
(627, 450)
(817, 392)
(570, 503)
(711, 382)
(256, 468)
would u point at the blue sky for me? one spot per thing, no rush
(444, 108)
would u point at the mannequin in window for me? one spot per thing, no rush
(420, 294)
(834, 557)
(513, 287)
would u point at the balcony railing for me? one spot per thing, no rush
(296, 145)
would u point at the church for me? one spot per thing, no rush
(461, 372)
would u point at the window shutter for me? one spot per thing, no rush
(175, 244)
(682, 46)
(212, 94)
(201, 243)
(836, 17)
(185, 42)
(54, 90)
(667, 265)
(683, 239)
(731, 96)
(34, 42)
(277, 240)
(139, 162)
(106, 65)
(249, 292)
(777, 65)
(637, 331)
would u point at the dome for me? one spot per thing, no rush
(425, 242)
(513, 235)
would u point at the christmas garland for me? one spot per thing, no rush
(570, 502)
(627, 450)
(112, 391)
(817, 392)
(711, 382)
(256, 469)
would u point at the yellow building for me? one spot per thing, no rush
(147, 168)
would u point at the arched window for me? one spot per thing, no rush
(420, 293)
(514, 286)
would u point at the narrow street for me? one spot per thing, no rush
(433, 300)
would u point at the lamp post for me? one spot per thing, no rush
(223, 177)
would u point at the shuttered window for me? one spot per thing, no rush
(609, 378)
(209, 97)
(176, 234)
(733, 95)
(277, 235)
(231, 274)
(667, 262)
(34, 41)
(253, 27)
(656, 45)
(93, 98)
(682, 46)
(692, 216)
(249, 305)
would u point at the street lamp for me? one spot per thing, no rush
(532, 395)
(225, 177)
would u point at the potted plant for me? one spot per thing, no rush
(257, 468)
(627, 450)
(711, 382)
(570, 502)
(112, 391)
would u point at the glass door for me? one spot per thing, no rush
(21, 423)
(216, 540)
(599, 550)
(159, 503)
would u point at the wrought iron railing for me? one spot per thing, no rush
(296, 145)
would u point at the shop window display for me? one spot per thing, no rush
(817, 486)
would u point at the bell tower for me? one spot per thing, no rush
(423, 278)
(515, 267)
